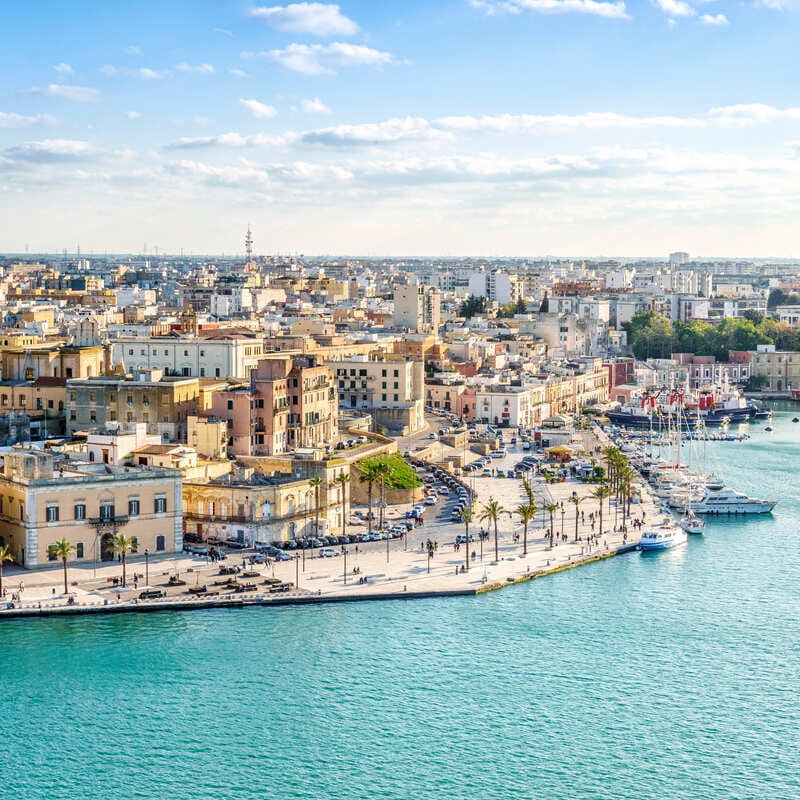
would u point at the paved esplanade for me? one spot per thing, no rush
(407, 568)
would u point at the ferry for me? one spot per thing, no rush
(728, 501)
(662, 537)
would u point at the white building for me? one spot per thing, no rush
(417, 308)
(221, 355)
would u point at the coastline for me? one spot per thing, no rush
(232, 601)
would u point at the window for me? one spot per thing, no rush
(383, 398)
(294, 399)
(52, 513)
(134, 544)
(160, 505)
(130, 351)
(72, 416)
(202, 372)
(216, 372)
(51, 553)
(383, 373)
(396, 386)
(202, 353)
(396, 398)
(107, 511)
(230, 405)
(396, 374)
(185, 352)
(161, 542)
(79, 550)
(80, 511)
(133, 508)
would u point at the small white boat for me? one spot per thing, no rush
(662, 537)
(692, 524)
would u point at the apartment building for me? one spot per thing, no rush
(290, 402)
(162, 403)
(43, 501)
(417, 308)
(776, 370)
(389, 387)
(213, 354)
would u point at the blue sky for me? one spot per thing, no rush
(517, 127)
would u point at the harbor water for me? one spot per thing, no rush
(672, 675)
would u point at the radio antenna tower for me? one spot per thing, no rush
(248, 245)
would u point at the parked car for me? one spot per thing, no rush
(327, 552)
(235, 544)
(152, 594)
(283, 556)
(462, 538)
(431, 500)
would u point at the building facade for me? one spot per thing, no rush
(43, 501)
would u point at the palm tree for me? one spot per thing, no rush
(384, 476)
(316, 482)
(122, 544)
(369, 474)
(601, 492)
(526, 485)
(63, 549)
(5, 555)
(343, 479)
(576, 501)
(526, 513)
(551, 508)
(466, 516)
(491, 512)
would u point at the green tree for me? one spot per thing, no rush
(63, 549)
(551, 508)
(343, 479)
(123, 545)
(466, 517)
(472, 307)
(369, 475)
(526, 513)
(601, 493)
(576, 501)
(316, 482)
(491, 513)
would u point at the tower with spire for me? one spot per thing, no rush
(248, 247)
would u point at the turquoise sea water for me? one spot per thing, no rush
(672, 675)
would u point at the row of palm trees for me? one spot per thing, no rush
(63, 549)
(620, 483)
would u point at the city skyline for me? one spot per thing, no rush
(421, 129)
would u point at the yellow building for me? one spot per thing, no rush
(43, 501)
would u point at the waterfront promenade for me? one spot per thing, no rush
(368, 574)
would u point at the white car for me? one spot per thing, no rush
(431, 500)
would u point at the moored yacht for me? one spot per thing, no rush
(692, 524)
(728, 501)
(662, 537)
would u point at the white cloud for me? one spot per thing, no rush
(314, 106)
(12, 120)
(200, 69)
(223, 31)
(718, 20)
(133, 72)
(133, 114)
(746, 113)
(133, 50)
(402, 129)
(258, 109)
(239, 73)
(51, 150)
(322, 59)
(317, 19)
(516, 123)
(227, 176)
(77, 94)
(612, 10)
(63, 69)
(233, 140)
(676, 8)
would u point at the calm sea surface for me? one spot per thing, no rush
(674, 675)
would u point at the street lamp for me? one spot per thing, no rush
(297, 572)
(563, 514)
(146, 567)
(344, 553)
